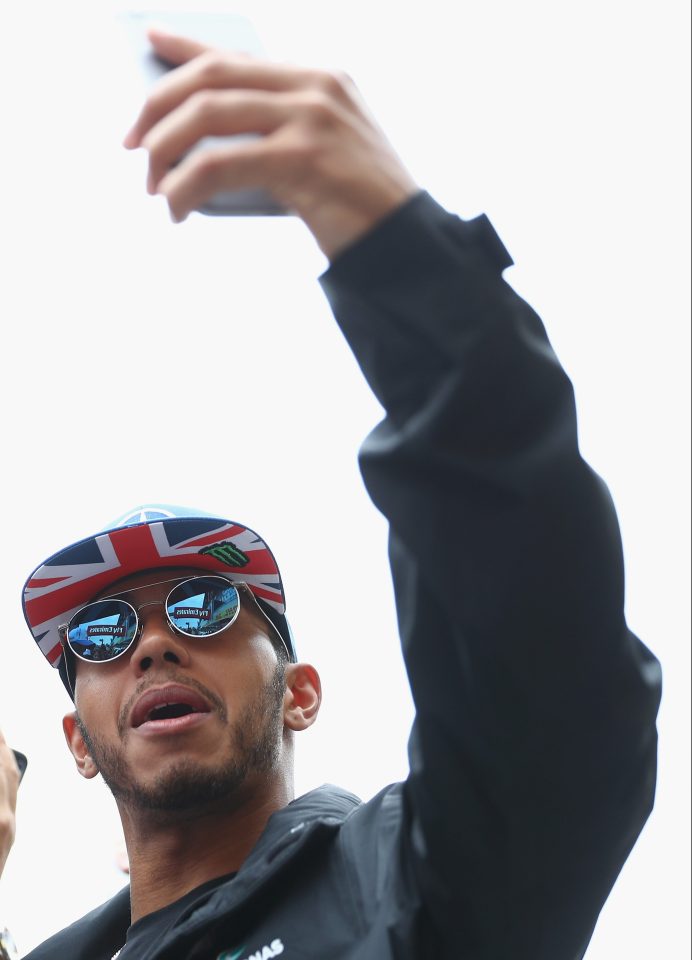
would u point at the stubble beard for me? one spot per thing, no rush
(188, 788)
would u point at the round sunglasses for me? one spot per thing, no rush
(198, 606)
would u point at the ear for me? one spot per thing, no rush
(303, 696)
(78, 748)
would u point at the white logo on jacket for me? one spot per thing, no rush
(274, 949)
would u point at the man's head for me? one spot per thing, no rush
(182, 724)
(179, 721)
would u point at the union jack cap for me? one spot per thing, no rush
(147, 538)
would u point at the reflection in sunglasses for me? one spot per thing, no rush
(107, 628)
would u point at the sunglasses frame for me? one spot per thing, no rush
(64, 628)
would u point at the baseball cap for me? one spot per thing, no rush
(149, 537)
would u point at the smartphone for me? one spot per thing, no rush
(21, 763)
(227, 31)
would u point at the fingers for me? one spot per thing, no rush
(172, 48)
(313, 145)
(9, 775)
(297, 129)
(9, 783)
(244, 165)
(210, 70)
(176, 51)
(215, 113)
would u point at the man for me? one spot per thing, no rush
(533, 751)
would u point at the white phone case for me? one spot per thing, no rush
(227, 31)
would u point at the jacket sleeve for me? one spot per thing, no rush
(533, 751)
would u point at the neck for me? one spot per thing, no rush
(170, 856)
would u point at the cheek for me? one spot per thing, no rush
(243, 671)
(262, 654)
(96, 696)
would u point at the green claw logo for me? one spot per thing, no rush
(232, 556)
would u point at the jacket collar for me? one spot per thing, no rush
(296, 827)
(291, 833)
(326, 802)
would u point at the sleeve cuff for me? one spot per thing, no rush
(405, 235)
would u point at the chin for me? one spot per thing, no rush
(187, 786)
(247, 752)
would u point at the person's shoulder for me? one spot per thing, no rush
(375, 844)
(365, 829)
(334, 803)
(358, 823)
(326, 801)
(388, 805)
(99, 933)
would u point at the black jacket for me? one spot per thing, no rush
(533, 751)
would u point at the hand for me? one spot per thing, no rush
(9, 782)
(320, 154)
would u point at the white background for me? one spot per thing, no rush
(125, 338)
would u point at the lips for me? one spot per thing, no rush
(166, 703)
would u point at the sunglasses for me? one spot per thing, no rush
(196, 607)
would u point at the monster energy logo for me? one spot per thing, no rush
(227, 553)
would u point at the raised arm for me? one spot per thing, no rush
(533, 750)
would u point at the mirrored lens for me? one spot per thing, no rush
(203, 605)
(102, 630)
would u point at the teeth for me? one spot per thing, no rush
(170, 710)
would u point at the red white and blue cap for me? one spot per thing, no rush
(149, 537)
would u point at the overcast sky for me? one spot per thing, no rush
(568, 125)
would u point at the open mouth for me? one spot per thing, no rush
(169, 703)
(169, 711)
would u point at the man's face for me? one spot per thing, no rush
(183, 723)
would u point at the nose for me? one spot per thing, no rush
(158, 643)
